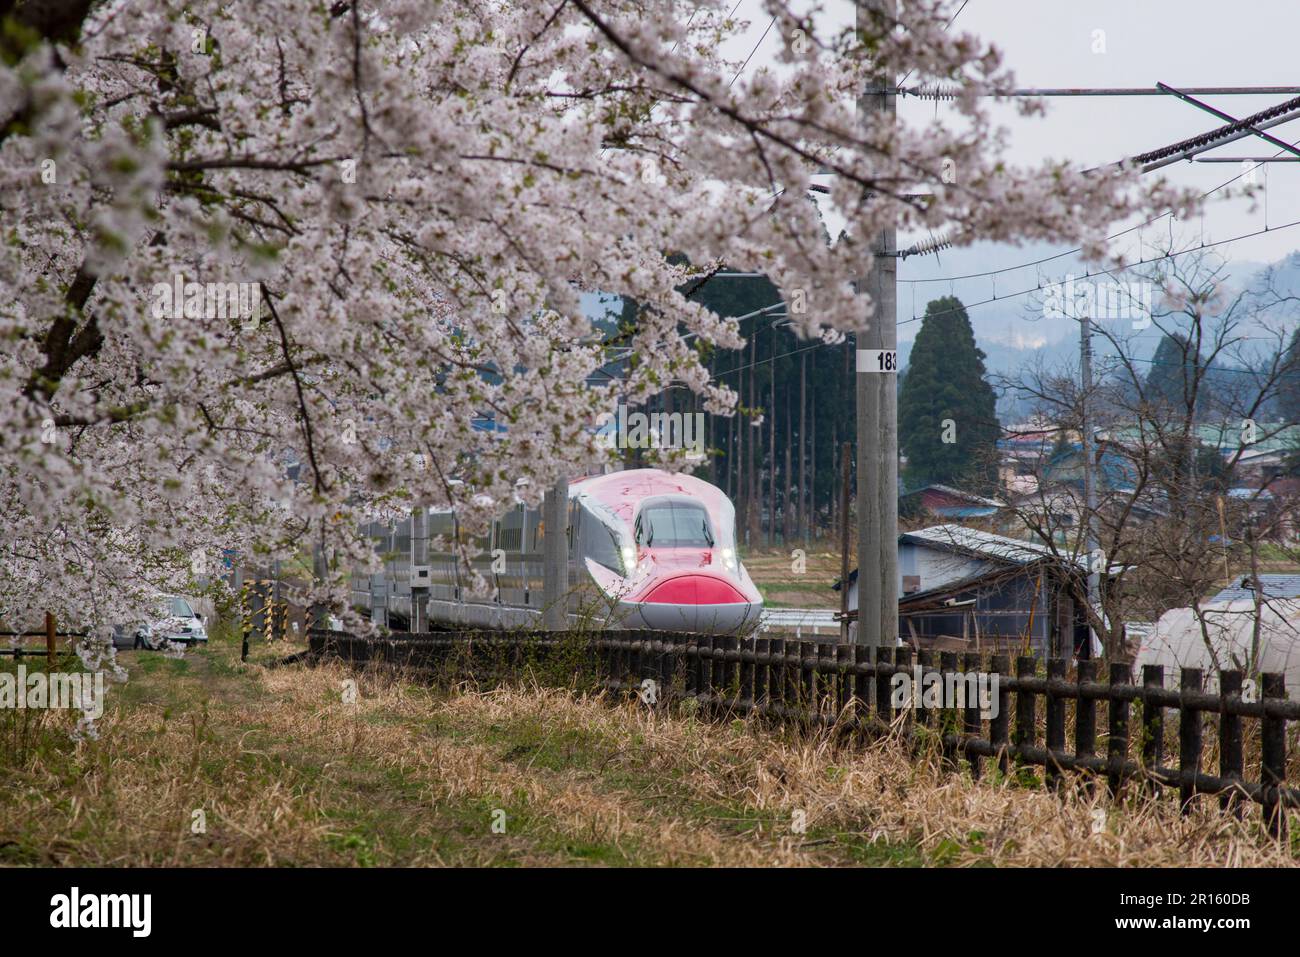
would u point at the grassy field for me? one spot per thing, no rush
(786, 583)
(287, 773)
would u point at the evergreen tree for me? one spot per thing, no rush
(1288, 399)
(945, 381)
(1174, 370)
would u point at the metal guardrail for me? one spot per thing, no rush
(815, 620)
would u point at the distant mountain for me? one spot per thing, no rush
(1018, 331)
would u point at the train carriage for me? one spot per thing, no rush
(648, 549)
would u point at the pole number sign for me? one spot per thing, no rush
(877, 360)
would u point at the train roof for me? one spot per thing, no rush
(617, 491)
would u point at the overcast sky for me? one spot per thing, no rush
(1049, 43)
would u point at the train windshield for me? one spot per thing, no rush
(670, 524)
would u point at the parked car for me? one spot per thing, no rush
(173, 620)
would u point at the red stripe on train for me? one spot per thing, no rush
(694, 590)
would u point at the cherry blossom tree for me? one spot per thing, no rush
(243, 236)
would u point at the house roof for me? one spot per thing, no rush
(1273, 436)
(972, 541)
(959, 493)
(1114, 470)
(1273, 586)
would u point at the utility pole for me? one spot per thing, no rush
(320, 613)
(877, 410)
(420, 568)
(555, 557)
(1089, 484)
(845, 478)
(803, 456)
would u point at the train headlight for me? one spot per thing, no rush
(729, 558)
(629, 557)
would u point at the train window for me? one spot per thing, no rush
(600, 543)
(670, 524)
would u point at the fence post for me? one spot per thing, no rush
(1153, 723)
(1117, 728)
(762, 674)
(1272, 746)
(713, 675)
(828, 687)
(747, 664)
(857, 656)
(1231, 763)
(884, 674)
(948, 714)
(701, 669)
(903, 659)
(1085, 719)
(926, 660)
(1026, 701)
(844, 681)
(808, 672)
(776, 677)
(972, 723)
(732, 647)
(1189, 740)
(1000, 723)
(50, 639)
(634, 662)
(669, 655)
(1056, 668)
(792, 686)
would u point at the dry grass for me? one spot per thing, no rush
(288, 774)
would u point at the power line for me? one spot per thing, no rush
(1209, 369)
(1077, 249)
(751, 52)
(983, 302)
(950, 92)
(1113, 270)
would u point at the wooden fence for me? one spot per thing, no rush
(51, 636)
(843, 686)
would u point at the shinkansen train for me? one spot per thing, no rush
(647, 549)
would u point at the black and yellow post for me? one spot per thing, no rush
(268, 612)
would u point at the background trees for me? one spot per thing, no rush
(1184, 499)
(947, 418)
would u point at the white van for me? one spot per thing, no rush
(173, 620)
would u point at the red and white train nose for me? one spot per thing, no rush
(691, 601)
(694, 589)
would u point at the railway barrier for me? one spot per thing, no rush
(845, 687)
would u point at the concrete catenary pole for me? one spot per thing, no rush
(877, 407)
(1089, 459)
(555, 557)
